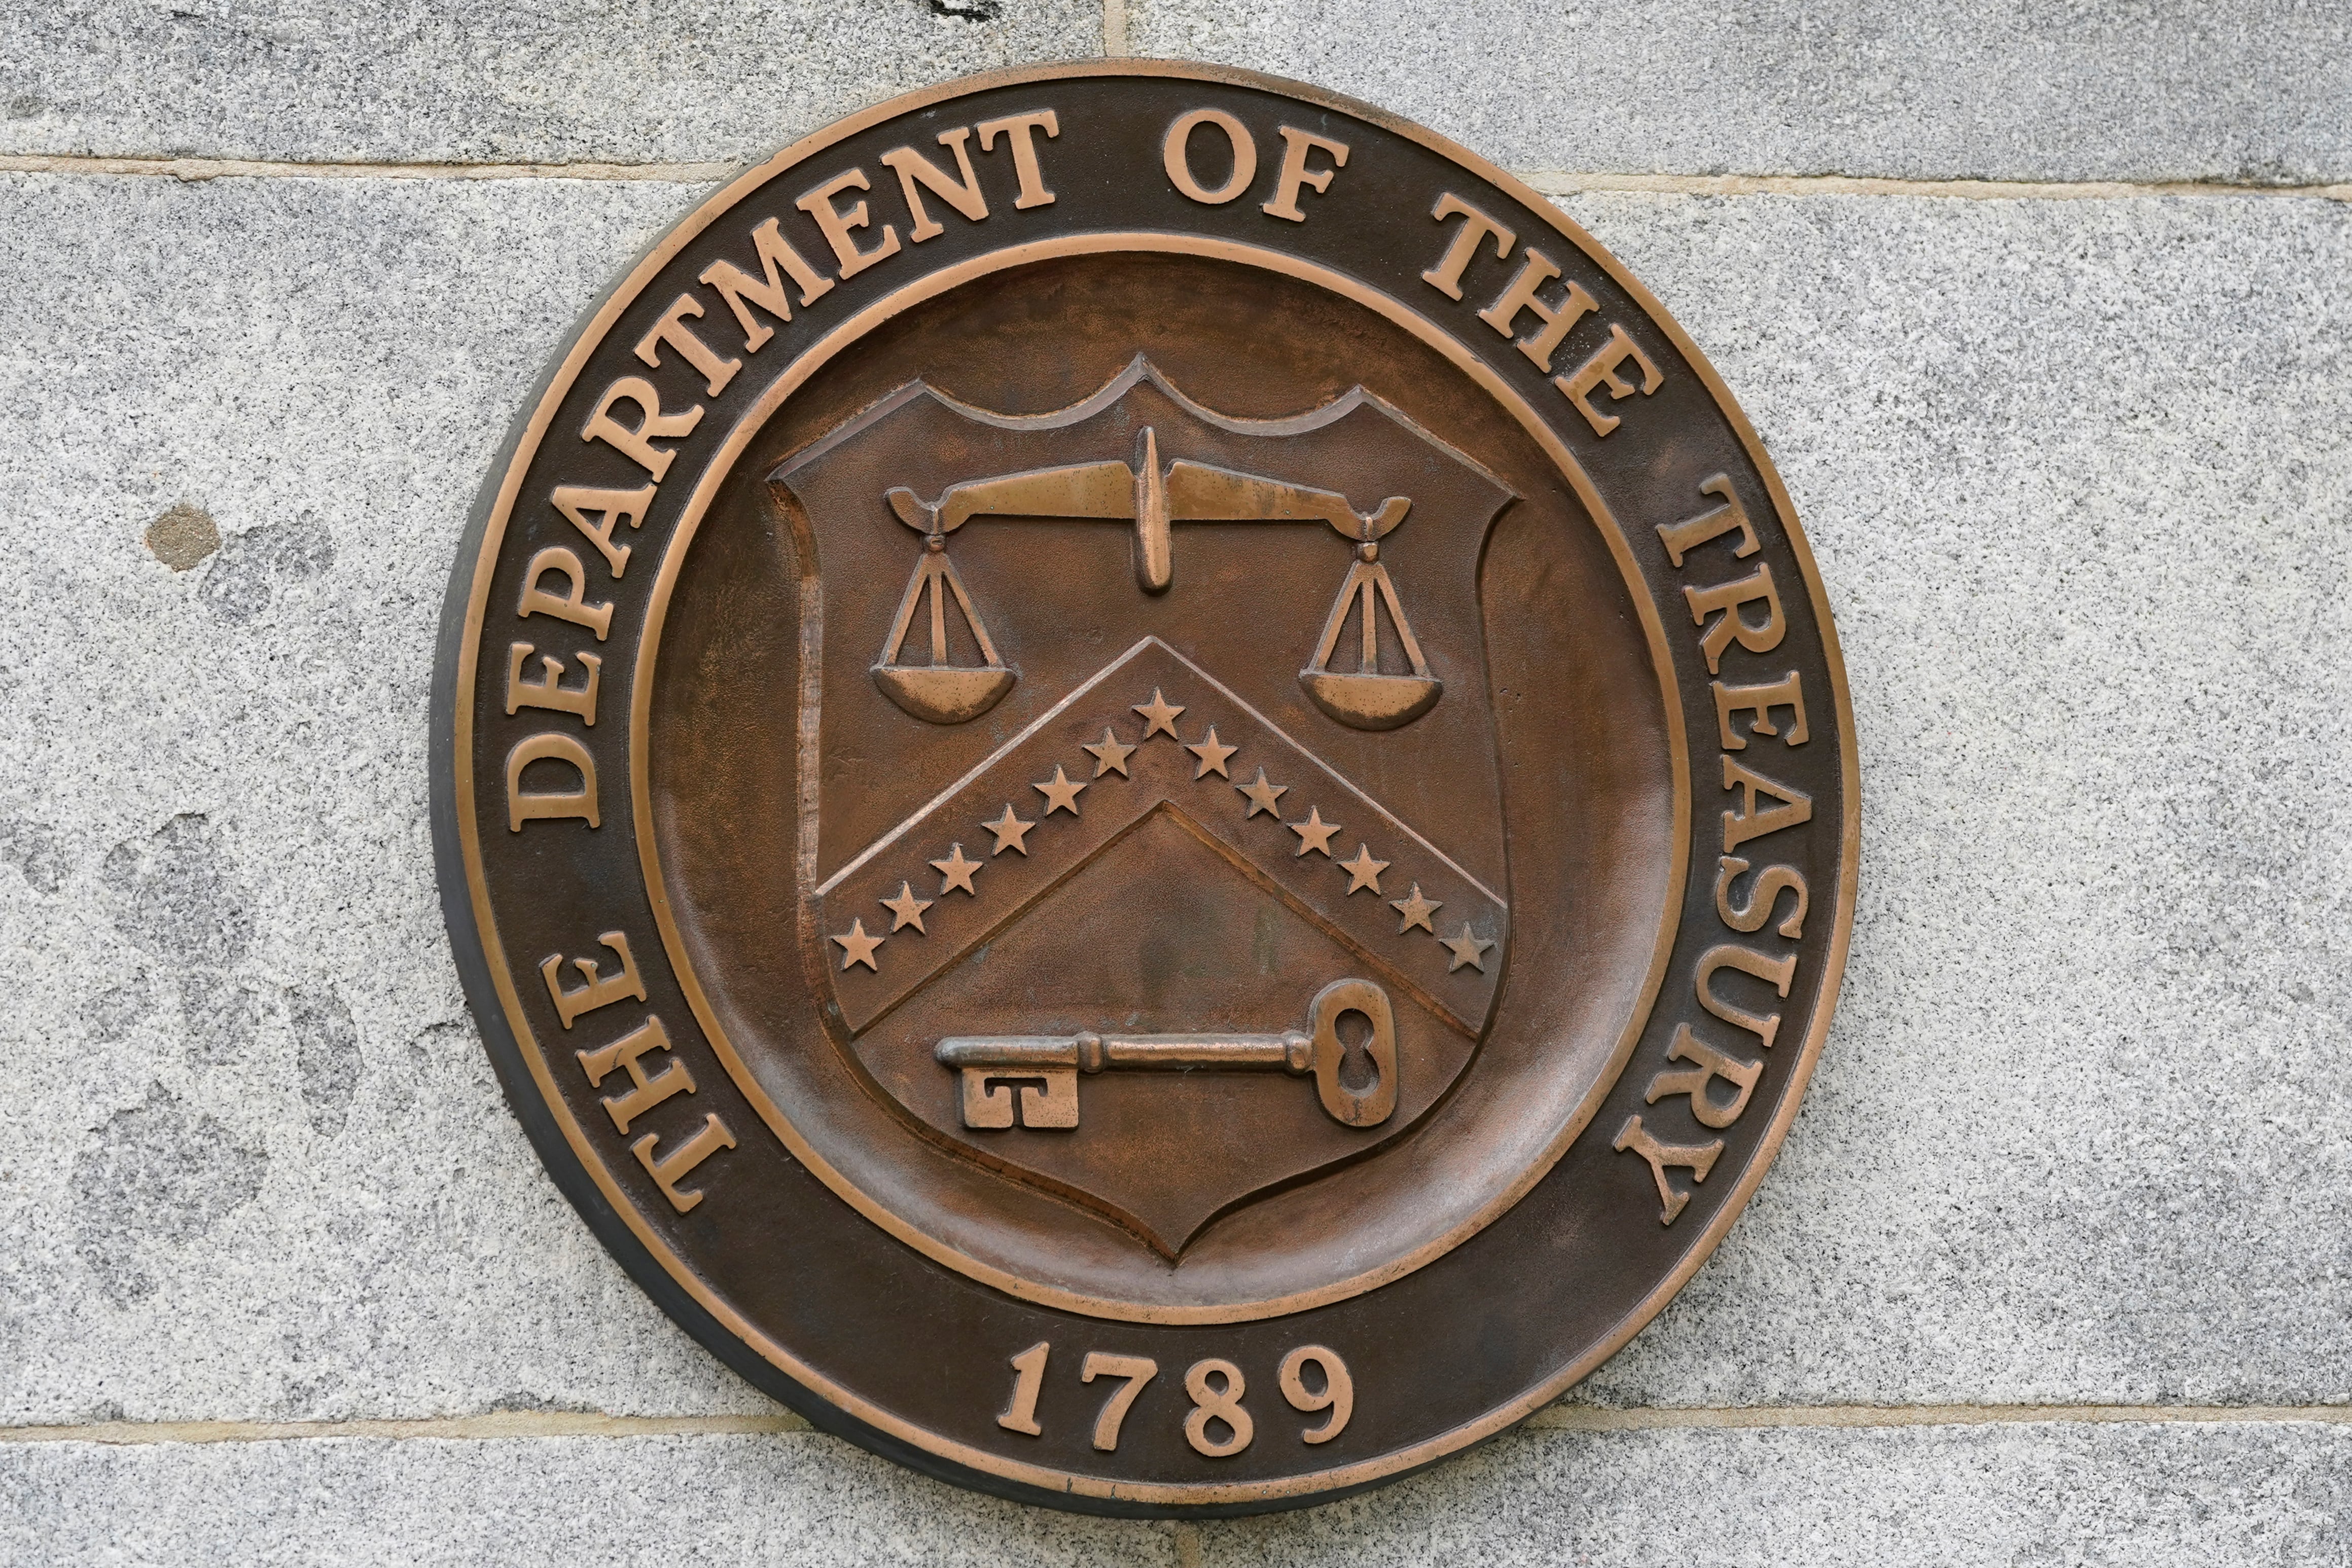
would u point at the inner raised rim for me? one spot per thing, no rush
(964, 1258)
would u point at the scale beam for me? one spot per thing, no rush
(1149, 496)
(1152, 497)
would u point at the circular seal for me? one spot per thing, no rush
(1144, 789)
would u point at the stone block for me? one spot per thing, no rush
(1956, 89)
(2113, 1497)
(267, 1170)
(2078, 474)
(416, 1503)
(2134, 1495)
(432, 81)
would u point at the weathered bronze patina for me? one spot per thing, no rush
(1144, 789)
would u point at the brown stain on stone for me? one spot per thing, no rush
(183, 536)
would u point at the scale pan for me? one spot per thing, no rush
(1365, 701)
(948, 694)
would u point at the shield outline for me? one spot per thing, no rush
(814, 928)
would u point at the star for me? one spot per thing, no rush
(1416, 911)
(1110, 756)
(1212, 755)
(1363, 871)
(1009, 830)
(907, 909)
(1314, 833)
(1262, 796)
(1467, 949)
(1161, 716)
(1060, 795)
(858, 948)
(955, 872)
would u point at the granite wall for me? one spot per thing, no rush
(2043, 312)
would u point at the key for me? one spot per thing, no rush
(1032, 1080)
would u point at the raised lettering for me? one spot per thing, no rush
(1176, 156)
(1601, 371)
(667, 1173)
(1682, 538)
(1777, 971)
(1557, 321)
(616, 507)
(672, 330)
(645, 1092)
(737, 287)
(1787, 692)
(1296, 174)
(1712, 1065)
(544, 692)
(1697, 1158)
(1338, 1395)
(1446, 276)
(637, 445)
(1770, 883)
(596, 991)
(1221, 1405)
(840, 229)
(914, 169)
(1020, 1414)
(1727, 599)
(1752, 820)
(1137, 1369)
(571, 603)
(539, 805)
(1016, 130)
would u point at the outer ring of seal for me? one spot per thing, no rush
(648, 1259)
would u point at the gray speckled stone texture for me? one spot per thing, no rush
(793, 1500)
(2274, 1495)
(2171, 90)
(1984, 1497)
(2079, 477)
(263, 1168)
(2078, 474)
(433, 80)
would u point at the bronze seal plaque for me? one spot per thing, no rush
(1144, 789)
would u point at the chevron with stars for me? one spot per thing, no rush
(1150, 733)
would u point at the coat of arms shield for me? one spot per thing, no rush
(1154, 854)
